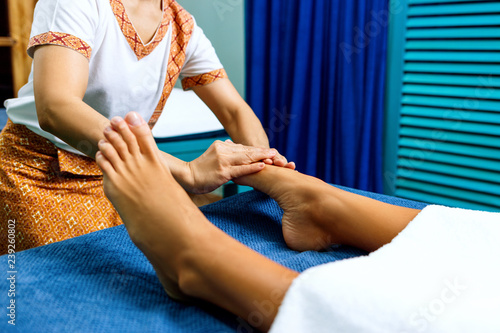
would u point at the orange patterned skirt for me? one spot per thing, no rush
(48, 194)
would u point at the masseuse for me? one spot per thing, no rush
(93, 60)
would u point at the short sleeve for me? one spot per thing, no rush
(202, 66)
(67, 23)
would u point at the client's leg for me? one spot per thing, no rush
(190, 255)
(318, 215)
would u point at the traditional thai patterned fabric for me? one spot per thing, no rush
(62, 39)
(203, 79)
(182, 30)
(51, 194)
(133, 38)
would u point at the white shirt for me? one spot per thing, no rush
(124, 73)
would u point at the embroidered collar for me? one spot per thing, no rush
(140, 49)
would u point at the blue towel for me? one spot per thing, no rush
(101, 282)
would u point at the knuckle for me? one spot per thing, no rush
(120, 144)
(112, 135)
(218, 145)
(103, 147)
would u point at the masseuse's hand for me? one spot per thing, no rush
(280, 160)
(277, 160)
(224, 161)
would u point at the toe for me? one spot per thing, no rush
(116, 140)
(109, 155)
(142, 133)
(122, 128)
(104, 164)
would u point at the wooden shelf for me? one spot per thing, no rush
(20, 14)
(7, 41)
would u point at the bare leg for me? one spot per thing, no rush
(318, 215)
(191, 256)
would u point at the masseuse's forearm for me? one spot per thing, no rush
(81, 127)
(244, 127)
(60, 77)
(74, 122)
(238, 119)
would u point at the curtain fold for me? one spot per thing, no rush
(316, 79)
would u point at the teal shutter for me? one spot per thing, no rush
(448, 149)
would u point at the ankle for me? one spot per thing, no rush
(189, 278)
(190, 272)
(321, 206)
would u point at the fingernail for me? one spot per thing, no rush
(134, 119)
(101, 142)
(107, 129)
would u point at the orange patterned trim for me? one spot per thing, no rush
(203, 79)
(182, 29)
(133, 39)
(62, 39)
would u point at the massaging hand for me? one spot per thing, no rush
(277, 160)
(224, 161)
(280, 160)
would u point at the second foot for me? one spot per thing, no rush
(300, 196)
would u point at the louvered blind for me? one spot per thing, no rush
(449, 135)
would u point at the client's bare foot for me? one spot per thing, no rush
(159, 216)
(299, 196)
(190, 255)
(317, 215)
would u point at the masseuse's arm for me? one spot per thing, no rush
(60, 82)
(238, 119)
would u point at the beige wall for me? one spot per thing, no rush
(223, 21)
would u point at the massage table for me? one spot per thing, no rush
(101, 282)
(3, 118)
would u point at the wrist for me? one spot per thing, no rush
(188, 176)
(255, 143)
(181, 171)
(185, 176)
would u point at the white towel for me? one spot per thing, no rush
(440, 274)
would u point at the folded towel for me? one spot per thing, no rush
(440, 274)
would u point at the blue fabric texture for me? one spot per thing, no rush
(101, 282)
(316, 79)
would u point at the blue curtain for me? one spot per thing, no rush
(315, 78)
